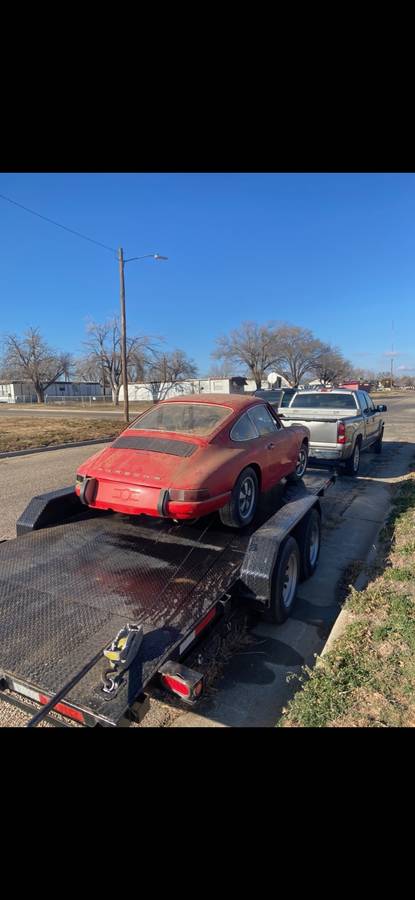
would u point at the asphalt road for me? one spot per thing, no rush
(254, 686)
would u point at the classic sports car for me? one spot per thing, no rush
(191, 455)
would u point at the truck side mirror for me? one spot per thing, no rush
(382, 408)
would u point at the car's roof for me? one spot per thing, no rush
(234, 401)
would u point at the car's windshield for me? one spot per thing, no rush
(316, 400)
(182, 418)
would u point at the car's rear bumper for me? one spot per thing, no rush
(150, 501)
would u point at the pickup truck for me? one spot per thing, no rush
(342, 423)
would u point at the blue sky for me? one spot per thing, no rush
(331, 252)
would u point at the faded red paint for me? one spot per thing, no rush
(131, 481)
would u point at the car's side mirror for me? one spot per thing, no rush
(382, 408)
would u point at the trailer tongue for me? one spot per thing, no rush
(68, 592)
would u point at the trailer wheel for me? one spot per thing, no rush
(285, 580)
(308, 535)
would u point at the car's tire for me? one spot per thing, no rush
(377, 446)
(308, 535)
(240, 510)
(302, 462)
(353, 463)
(285, 579)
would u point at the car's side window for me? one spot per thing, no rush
(244, 429)
(362, 401)
(263, 420)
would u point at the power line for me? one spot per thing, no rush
(71, 230)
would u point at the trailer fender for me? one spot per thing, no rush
(263, 548)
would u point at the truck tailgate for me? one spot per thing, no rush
(322, 430)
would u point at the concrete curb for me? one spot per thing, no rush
(362, 580)
(8, 454)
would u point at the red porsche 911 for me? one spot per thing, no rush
(191, 455)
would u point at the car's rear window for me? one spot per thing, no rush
(316, 400)
(287, 397)
(183, 418)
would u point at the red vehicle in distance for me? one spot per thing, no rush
(189, 456)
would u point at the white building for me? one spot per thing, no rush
(24, 392)
(234, 385)
(157, 391)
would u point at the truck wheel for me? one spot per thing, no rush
(285, 580)
(301, 466)
(377, 446)
(241, 508)
(308, 535)
(352, 465)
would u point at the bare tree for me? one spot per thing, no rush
(167, 369)
(331, 367)
(30, 358)
(104, 351)
(251, 346)
(297, 352)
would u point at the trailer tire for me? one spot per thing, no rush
(285, 578)
(308, 535)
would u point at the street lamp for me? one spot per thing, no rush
(122, 262)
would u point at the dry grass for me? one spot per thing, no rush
(368, 678)
(24, 432)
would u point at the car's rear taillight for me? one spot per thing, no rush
(188, 496)
(341, 433)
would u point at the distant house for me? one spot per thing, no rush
(358, 385)
(24, 392)
(162, 391)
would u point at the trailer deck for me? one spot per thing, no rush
(65, 592)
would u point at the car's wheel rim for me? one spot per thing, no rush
(356, 458)
(290, 581)
(246, 497)
(314, 543)
(301, 462)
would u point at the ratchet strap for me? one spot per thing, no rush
(120, 655)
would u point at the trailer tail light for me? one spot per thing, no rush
(185, 683)
(341, 433)
(63, 708)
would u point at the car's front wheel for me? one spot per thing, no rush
(242, 506)
(302, 461)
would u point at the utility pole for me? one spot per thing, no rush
(123, 334)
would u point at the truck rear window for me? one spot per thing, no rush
(323, 401)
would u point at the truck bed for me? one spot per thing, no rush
(66, 591)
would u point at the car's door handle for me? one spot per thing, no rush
(270, 446)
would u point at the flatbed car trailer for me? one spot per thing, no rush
(77, 583)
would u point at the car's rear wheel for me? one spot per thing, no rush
(242, 506)
(353, 463)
